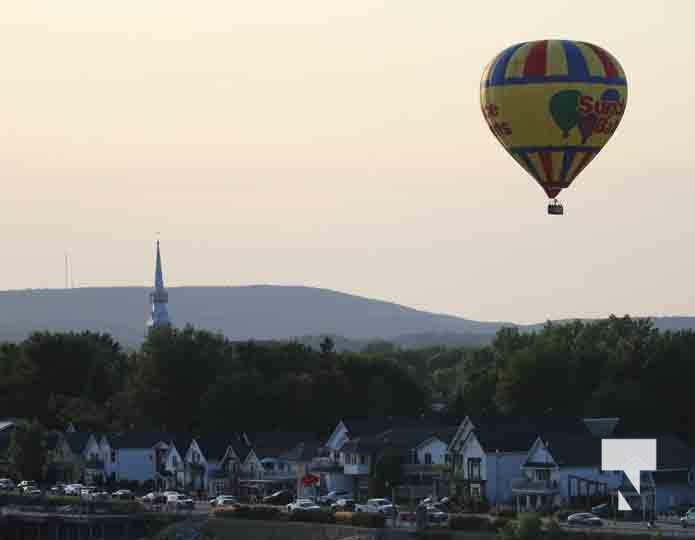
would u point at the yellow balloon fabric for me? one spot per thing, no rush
(553, 105)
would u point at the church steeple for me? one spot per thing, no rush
(159, 297)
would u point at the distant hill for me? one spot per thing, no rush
(262, 312)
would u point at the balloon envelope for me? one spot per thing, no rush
(553, 105)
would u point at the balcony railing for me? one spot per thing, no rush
(538, 486)
(325, 464)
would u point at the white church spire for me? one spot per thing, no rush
(159, 297)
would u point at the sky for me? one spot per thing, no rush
(337, 145)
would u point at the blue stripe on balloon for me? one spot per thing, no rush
(533, 149)
(497, 76)
(576, 62)
(556, 78)
(567, 163)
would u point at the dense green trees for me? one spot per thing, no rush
(188, 380)
(27, 450)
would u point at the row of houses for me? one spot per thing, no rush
(527, 463)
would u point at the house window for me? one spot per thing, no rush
(175, 461)
(363, 459)
(543, 475)
(475, 491)
(196, 456)
(113, 456)
(428, 459)
(474, 468)
(412, 458)
(691, 477)
(447, 458)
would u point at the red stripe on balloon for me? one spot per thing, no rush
(547, 162)
(536, 61)
(608, 66)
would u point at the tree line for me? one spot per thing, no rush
(193, 381)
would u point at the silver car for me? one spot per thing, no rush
(584, 518)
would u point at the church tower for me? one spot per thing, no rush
(159, 298)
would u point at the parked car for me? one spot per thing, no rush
(279, 497)
(58, 489)
(333, 496)
(26, 485)
(602, 510)
(123, 494)
(377, 506)
(584, 518)
(32, 492)
(224, 500)
(435, 514)
(688, 519)
(73, 489)
(154, 498)
(302, 505)
(86, 492)
(180, 501)
(344, 505)
(99, 495)
(6, 483)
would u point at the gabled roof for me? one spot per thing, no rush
(139, 439)
(303, 452)
(276, 443)
(399, 438)
(77, 441)
(214, 447)
(241, 449)
(518, 434)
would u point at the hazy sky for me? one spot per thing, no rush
(340, 145)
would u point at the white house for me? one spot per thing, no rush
(108, 457)
(172, 474)
(563, 470)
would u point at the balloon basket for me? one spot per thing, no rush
(555, 209)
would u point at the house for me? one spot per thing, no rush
(62, 464)
(563, 469)
(204, 464)
(330, 465)
(139, 455)
(94, 462)
(673, 482)
(300, 458)
(485, 456)
(7, 427)
(241, 465)
(421, 449)
(172, 473)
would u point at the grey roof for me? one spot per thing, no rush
(400, 438)
(276, 443)
(77, 440)
(214, 447)
(139, 439)
(303, 452)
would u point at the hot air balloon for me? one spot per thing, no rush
(553, 105)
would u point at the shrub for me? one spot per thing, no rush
(248, 512)
(462, 522)
(508, 532)
(373, 521)
(554, 531)
(498, 523)
(529, 527)
(503, 511)
(313, 516)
